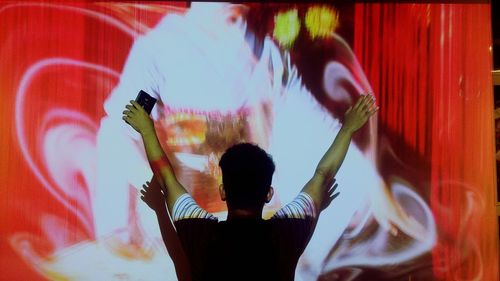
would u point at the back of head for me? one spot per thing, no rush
(247, 172)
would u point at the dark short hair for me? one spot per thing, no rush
(247, 172)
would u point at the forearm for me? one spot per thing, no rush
(173, 245)
(317, 187)
(164, 172)
(331, 161)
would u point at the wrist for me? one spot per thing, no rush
(346, 130)
(148, 131)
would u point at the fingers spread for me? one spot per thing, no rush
(368, 107)
(333, 188)
(373, 110)
(334, 196)
(364, 103)
(358, 103)
(348, 110)
(371, 102)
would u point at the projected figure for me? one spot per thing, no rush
(212, 93)
(218, 83)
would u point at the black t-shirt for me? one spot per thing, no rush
(244, 249)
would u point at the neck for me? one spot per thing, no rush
(244, 214)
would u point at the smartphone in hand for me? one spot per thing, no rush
(146, 101)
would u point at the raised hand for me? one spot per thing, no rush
(152, 195)
(356, 116)
(137, 117)
(330, 186)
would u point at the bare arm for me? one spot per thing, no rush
(153, 196)
(318, 187)
(138, 118)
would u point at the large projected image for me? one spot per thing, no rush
(278, 75)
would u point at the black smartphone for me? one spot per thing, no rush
(146, 101)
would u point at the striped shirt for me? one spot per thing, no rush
(244, 248)
(301, 207)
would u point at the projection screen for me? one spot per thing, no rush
(417, 188)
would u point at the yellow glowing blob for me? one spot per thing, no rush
(321, 21)
(286, 28)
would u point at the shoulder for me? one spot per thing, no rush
(186, 208)
(302, 207)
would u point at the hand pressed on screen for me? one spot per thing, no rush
(137, 117)
(152, 195)
(330, 186)
(356, 116)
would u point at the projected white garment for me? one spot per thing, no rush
(187, 69)
(205, 74)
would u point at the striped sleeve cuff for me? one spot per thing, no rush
(300, 208)
(186, 208)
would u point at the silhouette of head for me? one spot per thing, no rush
(247, 172)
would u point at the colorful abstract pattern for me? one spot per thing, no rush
(417, 189)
